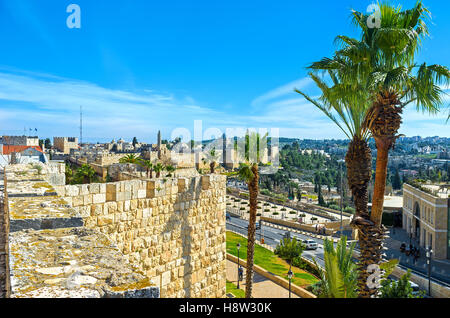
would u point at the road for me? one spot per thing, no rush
(272, 237)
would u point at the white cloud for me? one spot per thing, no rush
(281, 91)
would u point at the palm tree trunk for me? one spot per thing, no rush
(212, 166)
(359, 171)
(383, 147)
(384, 123)
(253, 193)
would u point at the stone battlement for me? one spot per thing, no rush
(171, 231)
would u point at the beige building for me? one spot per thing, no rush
(426, 214)
(64, 144)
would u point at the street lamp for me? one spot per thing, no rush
(290, 279)
(341, 194)
(428, 255)
(238, 247)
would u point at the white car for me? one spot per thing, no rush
(310, 244)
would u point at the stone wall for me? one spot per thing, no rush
(173, 230)
(51, 253)
(4, 246)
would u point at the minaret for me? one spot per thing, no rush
(159, 144)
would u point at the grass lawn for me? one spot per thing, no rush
(269, 261)
(231, 288)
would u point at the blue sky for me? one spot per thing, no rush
(139, 66)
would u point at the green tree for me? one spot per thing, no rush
(85, 175)
(130, 158)
(249, 172)
(148, 165)
(346, 104)
(339, 279)
(211, 157)
(47, 143)
(158, 168)
(289, 249)
(398, 289)
(170, 169)
(396, 181)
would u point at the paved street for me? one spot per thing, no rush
(272, 237)
(440, 269)
(262, 287)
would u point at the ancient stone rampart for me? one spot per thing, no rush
(173, 229)
(51, 253)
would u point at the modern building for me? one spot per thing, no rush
(426, 216)
(65, 144)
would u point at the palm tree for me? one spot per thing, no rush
(148, 165)
(396, 81)
(383, 64)
(158, 168)
(170, 169)
(131, 158)
(346, 104)
(249, 172)
(85, 174)
(339, 280)
(211, 158)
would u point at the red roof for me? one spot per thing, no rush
(8, 149)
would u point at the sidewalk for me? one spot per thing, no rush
(262, 287)
(439, 268)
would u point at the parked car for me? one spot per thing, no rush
(310, 244)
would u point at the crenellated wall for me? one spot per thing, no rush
(172, 229)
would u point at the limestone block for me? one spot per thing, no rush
(72, 191)
(87, 199)
(111, 191)
(77, 201)
(146, 213)
(94, 188)
(99, 198)
(141, 194)
(102, 188)
(105, 219)
(84, 189)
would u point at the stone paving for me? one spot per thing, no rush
(440, 268)
(262, 287)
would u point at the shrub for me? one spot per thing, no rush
(283, 209)
(275, 213)
(350, 210)
(313, 218)
(335, 207)
(266, 210)
(242, 209)
(292, 212)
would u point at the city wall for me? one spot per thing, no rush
(172, 230)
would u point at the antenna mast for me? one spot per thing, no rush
(81, 125)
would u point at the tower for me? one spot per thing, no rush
(159, 144)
